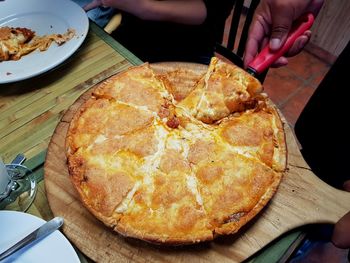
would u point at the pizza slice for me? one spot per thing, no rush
(223, 90)
(12, 40)
(139, 87)
(234, 188)
(17, 42)
(256, 133)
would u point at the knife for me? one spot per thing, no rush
(35, 236)
(266, 57)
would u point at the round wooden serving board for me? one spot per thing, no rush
(301, 199)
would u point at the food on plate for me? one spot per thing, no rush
(176, 171)
(19, 41)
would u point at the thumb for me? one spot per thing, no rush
(281, 24)
(341, 237)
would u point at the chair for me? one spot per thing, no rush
(233, 50)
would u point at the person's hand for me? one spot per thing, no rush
(125, 5)
(271, 23)
(92, 5)
(341, 233)
(191, 12)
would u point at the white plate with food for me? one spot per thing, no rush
(54, 248)
(44, 17)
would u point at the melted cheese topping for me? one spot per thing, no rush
(123, 206)
(17, 42)
(179, 182)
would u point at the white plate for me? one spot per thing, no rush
(53, 248)
(44, 17)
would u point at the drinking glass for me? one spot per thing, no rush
(18, 186)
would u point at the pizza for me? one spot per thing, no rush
(17, 42)
(176, 171)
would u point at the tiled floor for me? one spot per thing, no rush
(291, 86)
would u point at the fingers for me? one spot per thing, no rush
(341, 233)
(280, 62)
(92, 5)
(341, 236)
(315, 6)
(256, 37)
(296, 48)
(274, 18)
(281, 24)
(299, 44)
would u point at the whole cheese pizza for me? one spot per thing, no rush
(19, 41)
(176, 166)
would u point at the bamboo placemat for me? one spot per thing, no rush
(31, 109)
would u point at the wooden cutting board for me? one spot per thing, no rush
(301, 199)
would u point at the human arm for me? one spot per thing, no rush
(191, 12)
(271, 23)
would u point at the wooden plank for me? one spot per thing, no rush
(331, 30)
(301, 199)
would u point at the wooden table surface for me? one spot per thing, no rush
(31, 109)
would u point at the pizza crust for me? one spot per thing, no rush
(152, 167)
